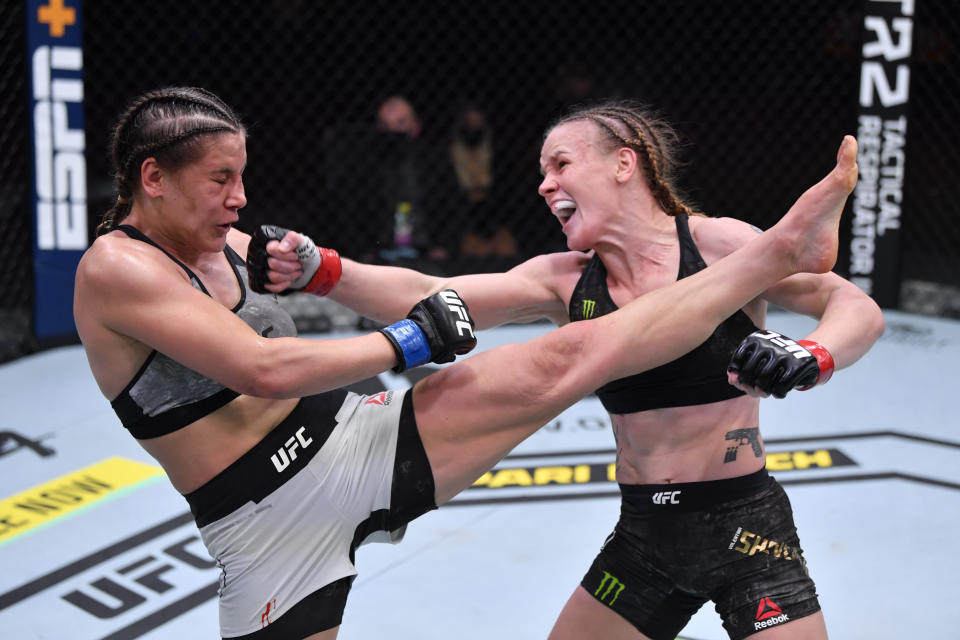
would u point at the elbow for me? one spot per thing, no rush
(263, 377)
(879, 325)
(266, 385)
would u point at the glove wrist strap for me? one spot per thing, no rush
(410, 344)
(327, 275)
(824, 361)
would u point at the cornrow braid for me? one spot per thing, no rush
(651, 137)
(168, 124)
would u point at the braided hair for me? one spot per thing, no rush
(168, 124)
(628, 124)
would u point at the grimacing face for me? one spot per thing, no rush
(576, 180)
(206, 196)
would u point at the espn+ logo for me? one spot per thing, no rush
(60, 165)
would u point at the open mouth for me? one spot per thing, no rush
(564, 210)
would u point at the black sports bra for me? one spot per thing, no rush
(164, 395)
(697, 377)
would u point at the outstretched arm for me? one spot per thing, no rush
(384, 293)
(130, 300)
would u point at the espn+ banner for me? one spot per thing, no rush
(874, 251)
(55, 69)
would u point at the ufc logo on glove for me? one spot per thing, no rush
(455, 304)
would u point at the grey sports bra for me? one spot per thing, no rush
(164, 395)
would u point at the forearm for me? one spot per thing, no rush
(849, 325)
(297, 367)
(382, 293)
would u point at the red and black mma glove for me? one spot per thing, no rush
(775, 364)
(321, 267)
(437, 329)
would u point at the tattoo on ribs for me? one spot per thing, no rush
(616, 439)
(742, 437)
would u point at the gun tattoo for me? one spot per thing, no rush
(742, 437)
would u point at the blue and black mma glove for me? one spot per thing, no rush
(775, 364)
(321, 266)
(437, 329)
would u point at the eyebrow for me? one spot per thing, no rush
(552, 158)
(228, 170)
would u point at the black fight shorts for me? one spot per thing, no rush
(677, 546)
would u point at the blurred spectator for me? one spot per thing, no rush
(410, 186)
(472, 157)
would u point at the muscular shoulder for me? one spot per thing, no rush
(554, 265)
(117, 265)
(718, 237)
(557, 272)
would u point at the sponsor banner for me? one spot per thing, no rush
(582, 472)
(55, 61)
(873, 255)
(66, 495)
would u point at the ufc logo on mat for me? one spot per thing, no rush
(666, 497)
(455, 304)
(288, 451)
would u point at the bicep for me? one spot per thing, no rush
(809, 293)
(165, 313)
(526, 293)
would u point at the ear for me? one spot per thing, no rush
(626, 164)
(152, 177)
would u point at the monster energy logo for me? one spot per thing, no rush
(588, 308)
(613, 586)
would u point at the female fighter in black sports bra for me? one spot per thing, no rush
(690, 458)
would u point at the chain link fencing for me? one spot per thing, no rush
(760, 92)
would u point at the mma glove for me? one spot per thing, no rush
(321, 267)
(775, 364)
(437, 329)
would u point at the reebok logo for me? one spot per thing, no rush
(666, 497)
(265, 616)
(769, 614)
(383, 398)
(281, 459)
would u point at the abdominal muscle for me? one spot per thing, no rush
(193, 455)
(687, 444)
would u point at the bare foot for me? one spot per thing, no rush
(809, 230)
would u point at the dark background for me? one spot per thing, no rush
(761, 92)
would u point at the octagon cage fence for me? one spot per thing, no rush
(761, 94)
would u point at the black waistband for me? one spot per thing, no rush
(271, 462)
(693, 496)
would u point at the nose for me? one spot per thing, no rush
(237, 199)
(547, 186)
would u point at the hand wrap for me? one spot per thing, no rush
(437, 329)
(321, 267)
(775, 364)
